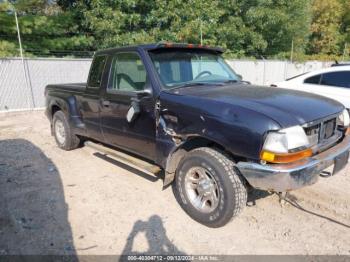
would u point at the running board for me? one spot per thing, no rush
(126, 159)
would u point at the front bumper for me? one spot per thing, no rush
(286, 177)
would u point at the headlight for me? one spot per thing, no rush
(344, 119)
(286, 145)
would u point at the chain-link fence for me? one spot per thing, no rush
(267, 72)
(22, 83)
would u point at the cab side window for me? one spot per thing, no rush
(97, 67)
(313, 80)
(127, 72)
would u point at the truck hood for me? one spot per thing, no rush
(286, 107)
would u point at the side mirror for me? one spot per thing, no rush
(239, 77)
(143, 93)
(135, 109)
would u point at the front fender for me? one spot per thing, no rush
(239, 131)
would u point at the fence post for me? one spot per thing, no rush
(285, 69)
(345, 51)
(292, 51)
(264, 71)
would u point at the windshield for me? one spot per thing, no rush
(188, 67)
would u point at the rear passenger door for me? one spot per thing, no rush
(127, 77)
(90, 102)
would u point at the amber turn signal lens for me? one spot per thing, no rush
(347, 132)
(285, 158)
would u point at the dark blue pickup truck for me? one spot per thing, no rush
(181, 108)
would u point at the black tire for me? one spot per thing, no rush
(70, 141)
(228, 181)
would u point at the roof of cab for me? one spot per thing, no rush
(162, 45)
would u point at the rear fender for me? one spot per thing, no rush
(69, 107)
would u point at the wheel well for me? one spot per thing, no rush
(196, 142)
(192, 143)
(54, 109)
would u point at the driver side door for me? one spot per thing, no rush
(127, 77)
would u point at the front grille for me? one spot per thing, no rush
(329, 128)
(322, 133)
(312, 133)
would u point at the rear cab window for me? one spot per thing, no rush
(96, 71)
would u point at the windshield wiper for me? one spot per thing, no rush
(190, 84)
(230, 81)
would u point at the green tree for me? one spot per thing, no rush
(345, 27)
(45, 29)
(325, 33)
(275, 24)
(245, 28)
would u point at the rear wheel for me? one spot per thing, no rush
(64, 137)
(209, 187)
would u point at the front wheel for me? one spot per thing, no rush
(209, 188)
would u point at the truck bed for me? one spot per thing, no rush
(71, 87)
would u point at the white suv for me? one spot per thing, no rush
(333, 82)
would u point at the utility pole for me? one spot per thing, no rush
(19, 36)
(32, 104)
(201, 32)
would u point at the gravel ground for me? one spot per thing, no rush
(57, 202)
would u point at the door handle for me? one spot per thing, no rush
(106, 103)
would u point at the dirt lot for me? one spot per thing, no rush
(57, 202)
